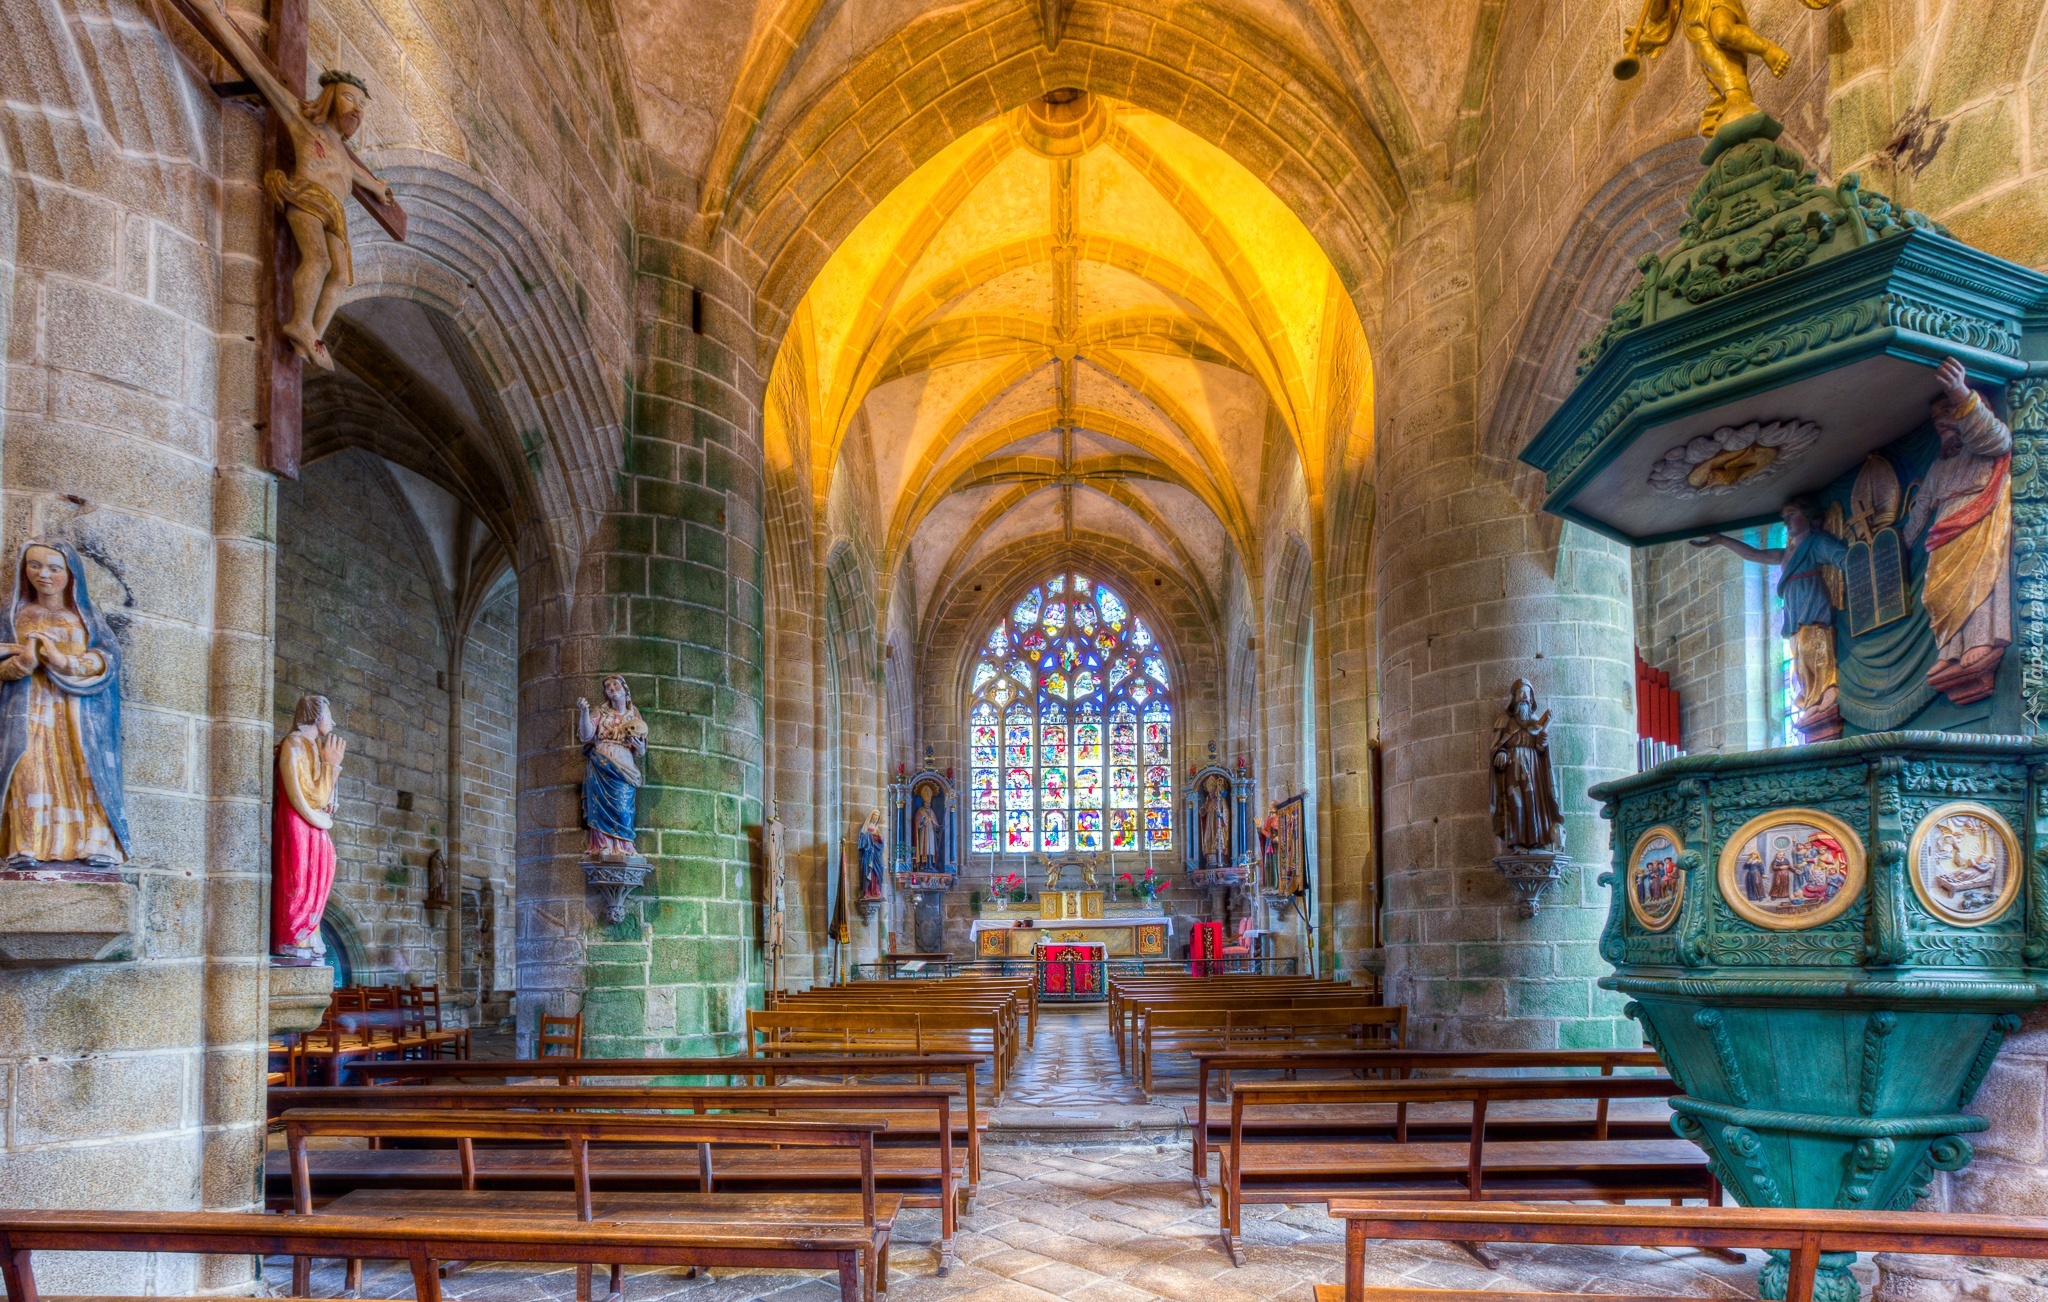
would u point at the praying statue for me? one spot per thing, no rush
(1525, 812)
(614, 740)
(869, 843)
(1964, 509)
(1215, 822)
(60, 719)
(301, 844)
(323, 172)
(1810, 590)
(1723, 41)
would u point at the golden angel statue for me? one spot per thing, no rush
(1721, 37)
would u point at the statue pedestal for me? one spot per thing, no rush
(1529, 873)
(1828, 945)
(615, 879)
(299, 997)
(62, 917)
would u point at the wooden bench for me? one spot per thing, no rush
(423, 1183)
(1018, 994)
(1134, 1004)
(856, 1030)
(1391, 1122)
(765, 1071)
(1308, 1022)
(910, 1116)
(1122, 990)
(1315, 1171)
(1804, 1234)
(680, 1240)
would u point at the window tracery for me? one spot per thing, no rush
(1070, 727)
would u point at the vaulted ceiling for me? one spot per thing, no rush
(1077, 319)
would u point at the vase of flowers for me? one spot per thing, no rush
(1147, 886)
(1011, 888)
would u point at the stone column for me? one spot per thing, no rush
(1476, 589)
(667, 593)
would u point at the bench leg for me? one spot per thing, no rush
(583, 1282)
(450, 1267)
(302, 1276)
(352, 1279)
(618, 1283)
(852, 1285)
(1479, 1253)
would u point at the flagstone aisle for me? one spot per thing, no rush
(1107, 1213)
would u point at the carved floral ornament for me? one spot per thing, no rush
(1732, 456)
(1792, 869)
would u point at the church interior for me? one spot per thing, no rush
(1022, 649)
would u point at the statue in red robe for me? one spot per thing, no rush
(301, 851)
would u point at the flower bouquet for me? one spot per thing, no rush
(1011, 888)
(1146, 887)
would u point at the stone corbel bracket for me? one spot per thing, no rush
(51, 919)
(615, 881)
(1529, 873)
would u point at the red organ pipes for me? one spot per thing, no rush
(1657, 725)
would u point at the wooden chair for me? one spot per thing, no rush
(560, 1036)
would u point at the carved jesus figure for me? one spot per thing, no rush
(323, 172)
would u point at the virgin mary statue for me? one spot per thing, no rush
(60, 719)
(614, 739)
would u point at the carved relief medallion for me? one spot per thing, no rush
(1964, 863)
(1792, 869)
(1655, 885)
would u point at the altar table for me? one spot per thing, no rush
(1122, 935)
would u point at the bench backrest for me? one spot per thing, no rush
(422, 1242)
(578, 1130)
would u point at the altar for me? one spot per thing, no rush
(1121, 935)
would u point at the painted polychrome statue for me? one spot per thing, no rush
(60, 719)
(870, 846)
(1809, 589)
(614, 740)
(301, 841)
(1963, 513)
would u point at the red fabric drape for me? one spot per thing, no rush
(1205, 948)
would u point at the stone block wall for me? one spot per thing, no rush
(1475, 591)
(137, 1081)
(1708, 618)
(488, 794)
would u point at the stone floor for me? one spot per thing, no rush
(1111, 1219)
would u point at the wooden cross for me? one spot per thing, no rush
(281, 415)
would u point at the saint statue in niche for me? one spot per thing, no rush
(301, 846)
(869, 843)
(924, 829)
(1215, 822)
(60, 719)
(1810, 587)
(1964, 510)
(614, 740)
(1525, 811)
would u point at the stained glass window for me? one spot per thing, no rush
(1070, 727)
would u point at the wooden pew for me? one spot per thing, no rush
(1317, 1170)
(836, 1244)
(855, 1030)
(910, 1116)
(538, 1174)
(764, 1071)
(1390, 1122)
(1184, 1025)
(1020, 994)
(1803, 1233)
(1130, 1003)
(1122, 989)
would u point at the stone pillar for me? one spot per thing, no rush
(1476, 589)
(667, 593)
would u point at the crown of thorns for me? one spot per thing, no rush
(335, 75)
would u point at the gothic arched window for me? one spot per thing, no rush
(1070, 727)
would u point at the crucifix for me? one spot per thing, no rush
(308, 170)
